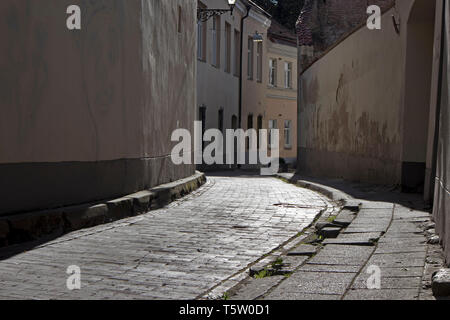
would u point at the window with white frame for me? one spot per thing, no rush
(272, 127)
(287, 134)
(250, 58)
(288, 75)
(273, 72)
(259, 58)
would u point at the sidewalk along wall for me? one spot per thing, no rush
(87, 114)
(349, 108)
(442, 194)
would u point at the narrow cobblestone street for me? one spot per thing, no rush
(178, 252)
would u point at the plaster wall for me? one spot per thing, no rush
(349, 108)
(441, 211)
(216, 88)
(87, 114)
(281, 102)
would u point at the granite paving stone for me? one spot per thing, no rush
(177, 252)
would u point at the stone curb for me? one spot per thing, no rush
(32, 226)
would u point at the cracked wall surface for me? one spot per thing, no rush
(349, 111)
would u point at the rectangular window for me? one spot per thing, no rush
(227, 47)
(273, 72)
(250, 59)
(216, 42)
(249, 126)
(202, 118)
(288, 75)
(272, 126)
(259, 128)
(200, 40)
(259, 55)
(201, 37)
(220, 120)
(179, 19)
(237, 53)
(287, 134)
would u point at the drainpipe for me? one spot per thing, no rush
(249, 7)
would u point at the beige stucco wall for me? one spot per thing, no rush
(364, 106)
(253, 91)
(281, 102)
(349, 115)
(260, 99)
(88, 114)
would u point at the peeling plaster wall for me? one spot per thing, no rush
(349, 109)
(87, 115)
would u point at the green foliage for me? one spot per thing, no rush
(277, 264)
(263, 274)
(331, 219)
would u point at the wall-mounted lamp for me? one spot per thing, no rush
(257, 37)
(204, 15)
(396, 24)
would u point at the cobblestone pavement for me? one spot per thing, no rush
(178, 252)
(385, 240)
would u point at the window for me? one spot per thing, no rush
(287, 134)
(201, 37)
(249, 126)
(259, 57)
(227, 47)
(202, 118)
(220, 120)
(216, 42)
(237, 53)
(259, 126)
(288, 75)
(272, 126)
(273, 72)
(250, 121)
(234, 121)
(179, 19)
(250, 59)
